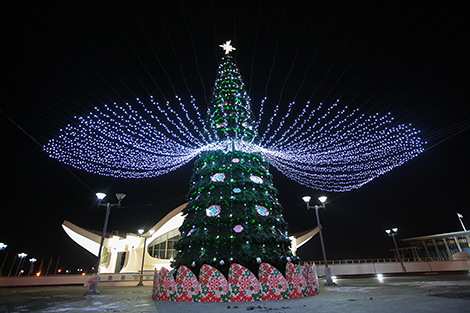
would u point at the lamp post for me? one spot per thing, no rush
(141, 278)
(329, 281)
(31, 265)
(96, 275)
(21, 256)
(392, 233)
(3, 247)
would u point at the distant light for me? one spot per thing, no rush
(100, 195)
(38, 274)
(306, 199)
(3, 246)
(32, 260)
(380, 277)
(322, 199)
(395, 229)
(22, 255)
(141, 231)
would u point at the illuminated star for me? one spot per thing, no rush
(227, 47)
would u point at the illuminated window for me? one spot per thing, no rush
(163, 247)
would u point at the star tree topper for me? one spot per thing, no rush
(227, 46)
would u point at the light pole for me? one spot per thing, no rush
(141, 231)
(3, 247)
(96, 275)
(31, 265)
(392, 233)
(329, 281)
(21, 256)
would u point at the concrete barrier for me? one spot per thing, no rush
(371, 268)
(56, 280)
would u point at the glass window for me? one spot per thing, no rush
(162, 247)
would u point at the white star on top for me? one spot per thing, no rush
(227, 47)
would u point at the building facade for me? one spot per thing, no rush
(122, 253)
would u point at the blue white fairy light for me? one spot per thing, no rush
(329, 149)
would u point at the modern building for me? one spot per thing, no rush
(447, 246)
(122, 253)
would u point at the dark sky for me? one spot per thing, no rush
(64, 59)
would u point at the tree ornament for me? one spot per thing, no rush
(222, 262)
(256, 179)
(218, 177)
(258, 260)
(262, 210)
(213, 210)
(238, 228)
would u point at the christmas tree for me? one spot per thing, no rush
(233, 214)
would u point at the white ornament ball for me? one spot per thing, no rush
(222, 262)
(258, 260)
(193, 264)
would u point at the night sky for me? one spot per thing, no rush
(64, 59)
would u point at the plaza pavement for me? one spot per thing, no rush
(431, 293)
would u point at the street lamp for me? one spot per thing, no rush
(95, 276)
(329, 281)
(392, 233)
(31, 265)
(21, 256)
(3, 247)
(141, 231)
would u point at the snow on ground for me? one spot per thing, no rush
(449, 293)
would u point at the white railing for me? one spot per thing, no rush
(382, 260)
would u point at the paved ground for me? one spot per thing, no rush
(450, 293)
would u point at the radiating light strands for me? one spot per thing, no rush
(325, 148)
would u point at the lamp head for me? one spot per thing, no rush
(395, 230)
(306, 199)
(388, 231)
(322, 199)
(140, 231)
(100, 195)
(120, 196)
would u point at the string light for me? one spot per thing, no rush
(330, 149)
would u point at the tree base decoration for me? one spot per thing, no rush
(242, 285)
